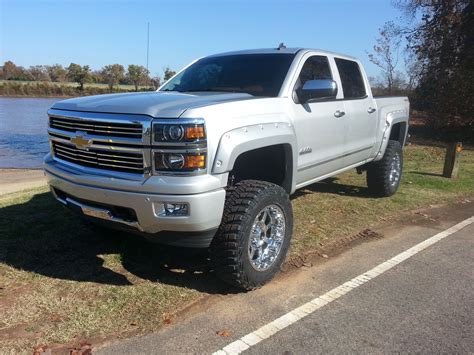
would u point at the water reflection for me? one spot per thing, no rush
(23, 136)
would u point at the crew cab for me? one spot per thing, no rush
(210, 159)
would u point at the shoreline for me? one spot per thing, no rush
(38, 97)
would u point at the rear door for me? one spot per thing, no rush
(361, 116)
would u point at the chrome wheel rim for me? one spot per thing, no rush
(266, 237)
(395, 168)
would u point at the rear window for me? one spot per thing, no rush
(351, 78)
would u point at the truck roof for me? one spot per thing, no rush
(293, 50)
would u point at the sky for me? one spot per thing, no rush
(102, 32)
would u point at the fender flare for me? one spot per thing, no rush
(243, 139)
(392, 118)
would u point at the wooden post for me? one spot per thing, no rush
(451, 161)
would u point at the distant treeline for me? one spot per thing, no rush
(110, 76)
(52, 89)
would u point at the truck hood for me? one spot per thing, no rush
(154, 104)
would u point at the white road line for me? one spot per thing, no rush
(295, 315)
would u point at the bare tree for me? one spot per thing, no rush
(156, 82)
(56, 72)
(39, 73)
(386, 52)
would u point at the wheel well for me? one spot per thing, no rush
(273, 164)
(398, 132)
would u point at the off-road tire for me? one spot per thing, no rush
(229, 248)
(378, 173)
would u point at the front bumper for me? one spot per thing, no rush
(205, 208)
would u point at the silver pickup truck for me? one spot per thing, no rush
(211, 158)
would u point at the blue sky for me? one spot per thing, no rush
(103, 32)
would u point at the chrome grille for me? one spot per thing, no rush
(100, 128)
(126, 162)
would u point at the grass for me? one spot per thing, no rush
(62, 281)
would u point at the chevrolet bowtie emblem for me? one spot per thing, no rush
(81, 142)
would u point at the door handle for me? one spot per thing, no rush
(339, 113)
(371, 110)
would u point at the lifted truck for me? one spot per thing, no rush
(211, 158)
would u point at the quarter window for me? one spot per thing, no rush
(351, 79)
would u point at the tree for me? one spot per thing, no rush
(442, 42)
(79, 74)
(137, 74)
(57, 72)
(399, 86)
(39, 73)
(156, 82)
(386, 53)
(168, 73)
(9, 70)
(113, 74)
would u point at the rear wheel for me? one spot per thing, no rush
(254, 235)
(383, 176)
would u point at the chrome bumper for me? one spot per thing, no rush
(95, 212)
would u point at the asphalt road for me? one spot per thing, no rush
(424, 304)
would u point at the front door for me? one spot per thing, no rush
(319, 126)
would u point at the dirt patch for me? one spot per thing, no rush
(13, 180)
(329, 248)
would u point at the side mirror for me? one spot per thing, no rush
(317, 90)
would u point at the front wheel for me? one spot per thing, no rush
(383, 176)
(254, 235)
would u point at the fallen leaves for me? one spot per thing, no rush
(55, 318)
(168, 318)
(223, 333)
(84, 349)
(41, 350)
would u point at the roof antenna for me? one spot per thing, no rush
(281, 46)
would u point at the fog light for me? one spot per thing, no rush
(176, 209)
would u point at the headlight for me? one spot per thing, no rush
(179, 162)
(177, 133)
(179, 147)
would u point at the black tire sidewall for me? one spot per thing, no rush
(273, 195)
(378, 173)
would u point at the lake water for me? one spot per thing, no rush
(23, 131)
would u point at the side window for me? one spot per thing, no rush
(351, 78)
(315, 67)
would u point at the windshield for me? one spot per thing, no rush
(255, 74)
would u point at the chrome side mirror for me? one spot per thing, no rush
(317, 90)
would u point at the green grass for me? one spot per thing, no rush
(61, 281)
(344, 207)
